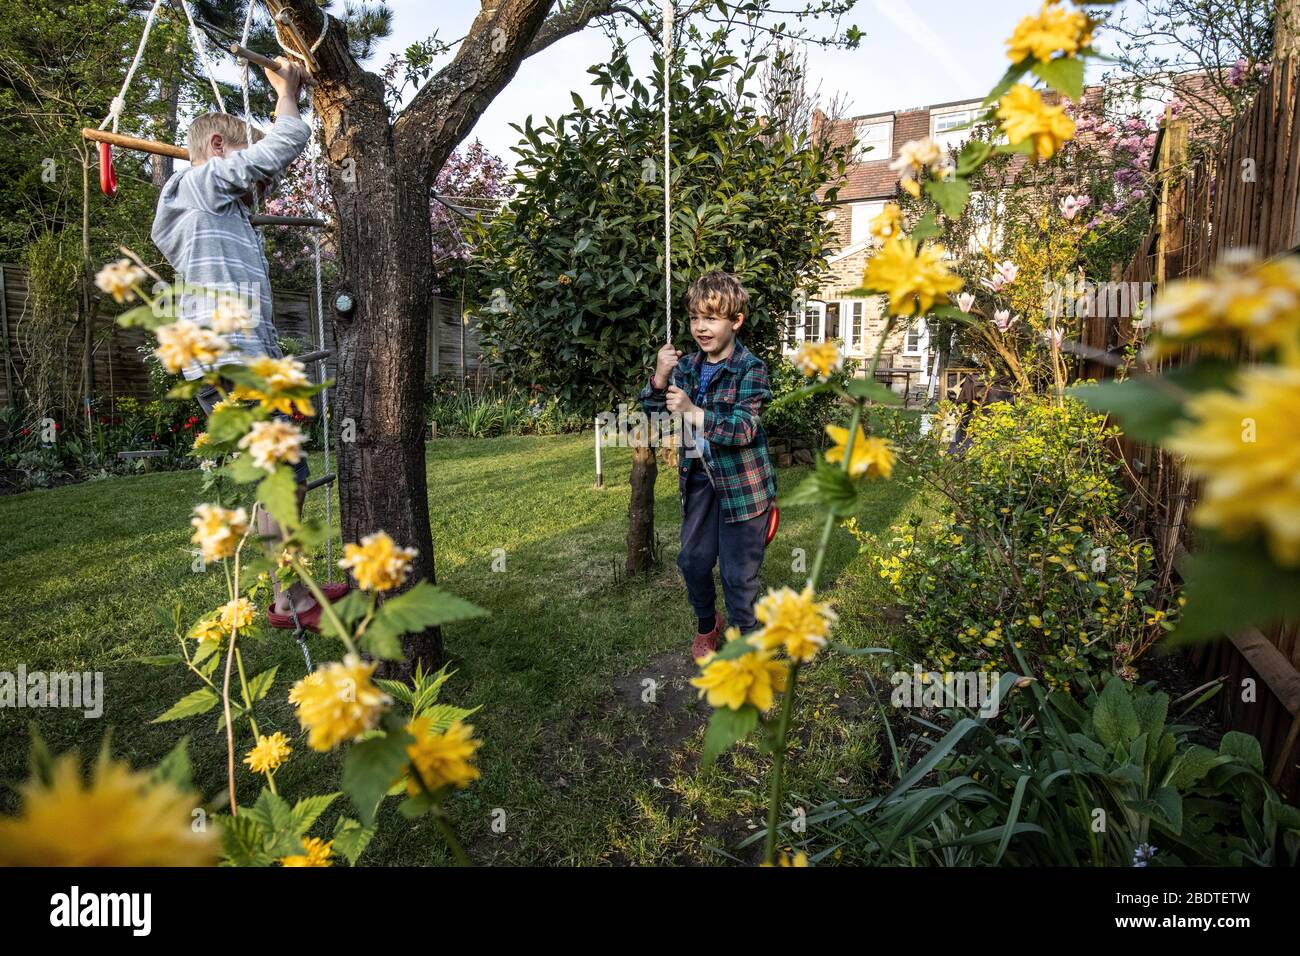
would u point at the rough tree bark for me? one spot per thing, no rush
(641, 509)
(381, 173)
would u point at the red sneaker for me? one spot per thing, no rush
(308, 619)
(334, 592)
(706, 644)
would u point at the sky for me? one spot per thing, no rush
(913, 53)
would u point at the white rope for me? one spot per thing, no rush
(668, 216)
(321, 368)
(202, 49)
(119, 101)
(283, 17)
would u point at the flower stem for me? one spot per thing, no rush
(774, 799)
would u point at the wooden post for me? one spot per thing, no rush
(600, 475)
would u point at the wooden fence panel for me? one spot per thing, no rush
(1241, 195)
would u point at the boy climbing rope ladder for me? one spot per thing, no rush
(202, 227)
(726, 478)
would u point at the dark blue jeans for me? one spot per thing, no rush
(737, 548)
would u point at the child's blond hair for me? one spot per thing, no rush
(204, 126)
(719, 294)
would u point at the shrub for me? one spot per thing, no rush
(1033, 795)
(806, 419)
(1029, 551)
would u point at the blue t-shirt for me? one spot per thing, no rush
(707, 371)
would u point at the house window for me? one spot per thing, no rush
(875, 141)
(853, 314)
(951, 129)
(916, 339)
(860, 227)
(805, 326)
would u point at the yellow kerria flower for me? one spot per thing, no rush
(1242, 445)
(752, 678)
(119, 280)
(269, 753)
(185, 343)
(441, 760)
(217, 530)
(208, 630)
(280, 375)
(819, 359)
(794, 620)
(377, 562)
(237, 613)
(273, 442)
(1242, 299)
(337, 702)
(117, 818)
(913, 279)
(1053, 30)
(888, 224)
(873, 457)
(202, 440)
(231, 314)
(317, 853)
(1025, 116)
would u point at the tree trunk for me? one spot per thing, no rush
(169, 94)
(383, 224)
(641, 510)
(1286, 30)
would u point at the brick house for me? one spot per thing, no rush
(869, 183)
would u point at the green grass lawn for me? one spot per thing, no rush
(586, 768)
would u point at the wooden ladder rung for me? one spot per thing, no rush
(314, 356)
(262, 219)
(322, 480)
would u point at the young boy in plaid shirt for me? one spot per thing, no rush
(725, 475)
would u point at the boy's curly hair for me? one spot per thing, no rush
(230, 127)
(717, 294)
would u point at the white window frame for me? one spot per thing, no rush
(860, 220)
(952, 138)
(884, 148)
(853, 323)
(922, 338)
(810, 325)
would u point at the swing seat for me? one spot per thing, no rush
(773, 522)
(107, 174)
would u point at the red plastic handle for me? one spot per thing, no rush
(107, 174)
(773, 522)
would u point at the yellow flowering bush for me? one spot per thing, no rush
(377, 562)
(915, 278)
(338, 702)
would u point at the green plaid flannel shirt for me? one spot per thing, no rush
(736, 456)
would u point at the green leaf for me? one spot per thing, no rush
(1063, 74)
(727, 727)
(422, 607)
(242, 471)
(1230, 586)
(829, 486)
(371, 766)
(1244, 747)
(306, 810)
(279, 835)
(261, 683)
(873, 391)
(351, 839)
(279, 493)
(1145, 410)
(927, 227)
(950, 194)
(175, 768)
(1113, 716)
(973, 155)
(231, 423)
(185, 390)
(199, 702)
(243, 840)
